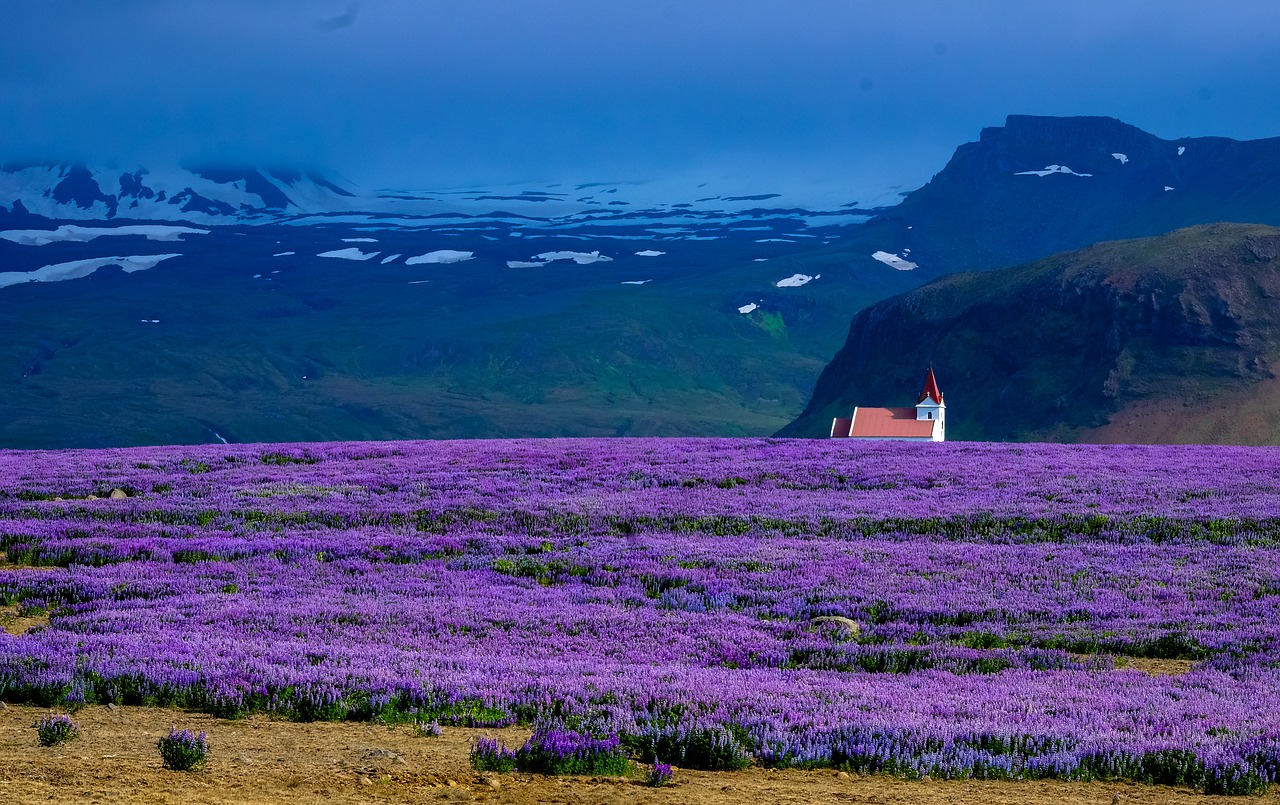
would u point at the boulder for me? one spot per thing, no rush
(837, 623)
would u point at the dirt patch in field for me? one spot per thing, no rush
(5, 564)
(259, 761)
(16, 624)
(1156, 667)
(1147, 665)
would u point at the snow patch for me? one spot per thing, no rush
(774, 240)
(359, 240)
(635, 282)
(1123, 158)
(649, 253)
(752, 306)
(82, 268)
(283, 254)
(84, 234)
(443, 256)
(581, 258)
(1051, 169)
(1167, 188)
(1182, 149)
(894, 261)
(796, 280)
(388, 259)
(349, 254)
(523, 264)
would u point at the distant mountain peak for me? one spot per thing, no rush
(198, 192)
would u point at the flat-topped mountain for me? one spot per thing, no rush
(1172, 338)
(1042, 185)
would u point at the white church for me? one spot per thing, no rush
(926, 422)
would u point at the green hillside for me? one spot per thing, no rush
(1085, 345)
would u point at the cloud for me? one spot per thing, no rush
(463, 92)
(344, 20)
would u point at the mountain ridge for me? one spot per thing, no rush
(990, 208)
(201, 193)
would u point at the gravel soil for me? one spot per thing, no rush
(259, 760)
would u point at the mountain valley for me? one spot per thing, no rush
(289, 305)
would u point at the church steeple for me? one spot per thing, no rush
(930, 389)
(930, 406)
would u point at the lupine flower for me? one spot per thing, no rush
(183, 751)
(53, 730)
(660, 775)
(665, 592)
(490, 754)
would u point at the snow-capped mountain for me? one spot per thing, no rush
(208, 195)
(222, 195)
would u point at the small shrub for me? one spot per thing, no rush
(427, 729)
(490, 754)
(282, 459)
(54, 730)
(660, 775)
(553, 750)
(183, 751)
(714, 748)
(474, 713)
(559, 750)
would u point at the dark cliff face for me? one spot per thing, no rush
(1052, 349)
(985, 210)
(78, 187)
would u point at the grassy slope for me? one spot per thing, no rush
(1162, 339)
(331, 349)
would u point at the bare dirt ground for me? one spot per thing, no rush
(262, 761)
(1155, 667)
(16, 625)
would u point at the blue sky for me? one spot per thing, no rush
(450, 92)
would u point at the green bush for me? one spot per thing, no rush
(54, 730)
(183, 751)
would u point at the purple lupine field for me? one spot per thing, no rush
(949, 610)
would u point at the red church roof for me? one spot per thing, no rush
(891, 423)
(930, 389)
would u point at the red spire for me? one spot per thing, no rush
(930, 389)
